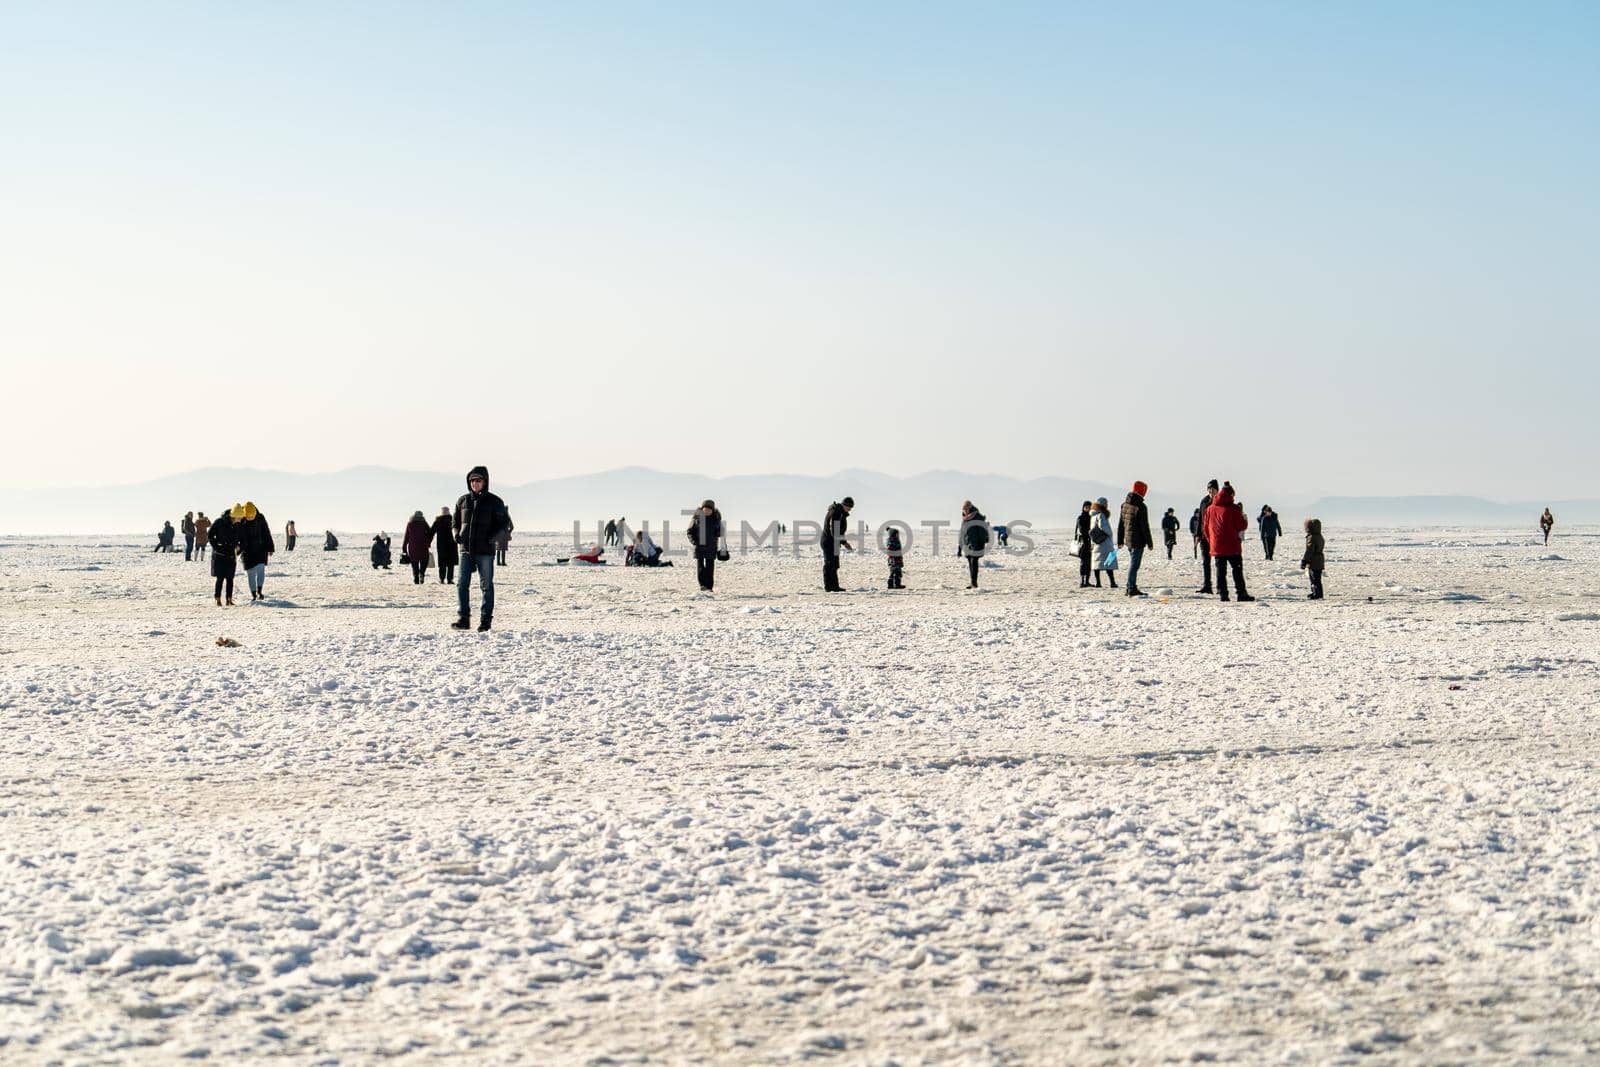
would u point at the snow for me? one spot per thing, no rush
(634, 823)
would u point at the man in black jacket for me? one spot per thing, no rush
(1205, 546)
(1133, 530)
(834, 526)
(481, 520)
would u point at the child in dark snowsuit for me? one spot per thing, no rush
(897, 558)
(1313, 560)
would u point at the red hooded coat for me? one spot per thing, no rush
(1224, 522)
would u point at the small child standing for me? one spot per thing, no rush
(897, 558)
(1313, 559)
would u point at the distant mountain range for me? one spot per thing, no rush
(372, 498)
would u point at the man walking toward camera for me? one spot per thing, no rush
(481, 521)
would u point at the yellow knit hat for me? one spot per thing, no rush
(249, 510)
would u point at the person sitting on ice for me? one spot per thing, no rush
(644, 552)
(591, 555)
(380, 551)
(330, 543)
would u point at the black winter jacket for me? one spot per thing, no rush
(481, 519)
(835, 527)
(1080, 534)
(974, 534)
(444, 542)
(705, 533)
(224, 539)
(1133, 525)
(255, 541)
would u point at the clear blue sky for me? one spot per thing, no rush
(1317, 248)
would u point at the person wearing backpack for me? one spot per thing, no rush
(974, 540)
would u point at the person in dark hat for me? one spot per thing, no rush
(482, 526)
(705, 534)
(1133, 531)
(834, 526)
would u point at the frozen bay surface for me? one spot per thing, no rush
(1028, 824)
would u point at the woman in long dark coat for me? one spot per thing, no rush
(444, 547)
(417, 538)
(1080, 537)
(224, 538)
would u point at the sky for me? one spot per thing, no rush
(1325, 248)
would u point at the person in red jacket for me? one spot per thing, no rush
(1224, 522)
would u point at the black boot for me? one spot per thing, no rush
(461, 624)
(483, 624)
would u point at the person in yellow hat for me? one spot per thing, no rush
(255, 548)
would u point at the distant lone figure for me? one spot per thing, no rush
(1270, 529)
(705, 534)
(188, 536)
(1169, 531)
(289, 536)
(894, 551)
(611, 531)
(330, 543)
(164, 538)
(1546, 521)
(1313, 562)
(974, 540)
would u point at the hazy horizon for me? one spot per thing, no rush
(1327, 249)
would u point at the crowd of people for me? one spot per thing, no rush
(468, 542)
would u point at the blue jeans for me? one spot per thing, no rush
(1137, 554)
(188, 546)
(484, 565)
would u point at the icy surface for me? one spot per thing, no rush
(635, 823)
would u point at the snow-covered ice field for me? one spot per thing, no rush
(1031, 824)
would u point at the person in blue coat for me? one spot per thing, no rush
(1271, 529)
